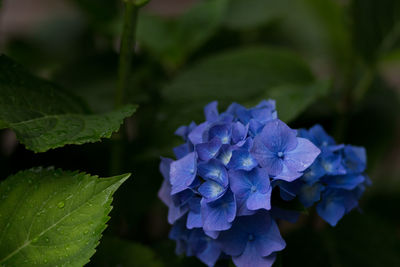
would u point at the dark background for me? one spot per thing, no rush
(355, 45)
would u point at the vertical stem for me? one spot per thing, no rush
(124, 71)
(126, 51)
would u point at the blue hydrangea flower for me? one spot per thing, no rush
(336, 180)
(219, 188)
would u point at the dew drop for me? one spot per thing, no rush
(61, 204)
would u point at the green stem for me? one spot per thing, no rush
(124, 72)
(126, 51)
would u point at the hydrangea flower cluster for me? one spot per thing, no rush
(219, 188)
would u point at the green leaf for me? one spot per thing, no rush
(45, 117)
(173, 40)
(376, 26)
(117, 252)
(293, 99)
(244, 15)
(243, 75)
(52, 217)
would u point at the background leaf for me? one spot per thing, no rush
(53, 217)
(293, 99)
(45, 117)
(241, 75)
(175, 39)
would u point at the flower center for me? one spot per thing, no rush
(280, 154)
(253, 188)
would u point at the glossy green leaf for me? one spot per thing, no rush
(113, 251)
(52, 217)
(293, 99)
(376, 26)
(45, 117)
(173, 40)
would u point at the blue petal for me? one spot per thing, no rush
(225, 154)
(183, 131)
(165, 193)
(194, 216)
(335, 203)
(251, 258)
(213, 170)
(212, 234)
(314, 173)
(210, 254)
(207, 151)
(355, 159)
(242, 160)
(194, 220)
(196, 135)
(182, 150)
(255, 127)
(348, 182)
(211, 111)
(332, 163)
(269, 104)
(309, 194)
(258, 201)
(211, 190)
(239, 132)
(221, 131)
(183, 172)
(278, 137)
(331, 211)
(266, 158)
(165, 167)
(297, 160)
(218, 215)
(320, 138)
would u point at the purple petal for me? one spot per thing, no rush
(183, 172)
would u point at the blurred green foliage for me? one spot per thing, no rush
(330, 62)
